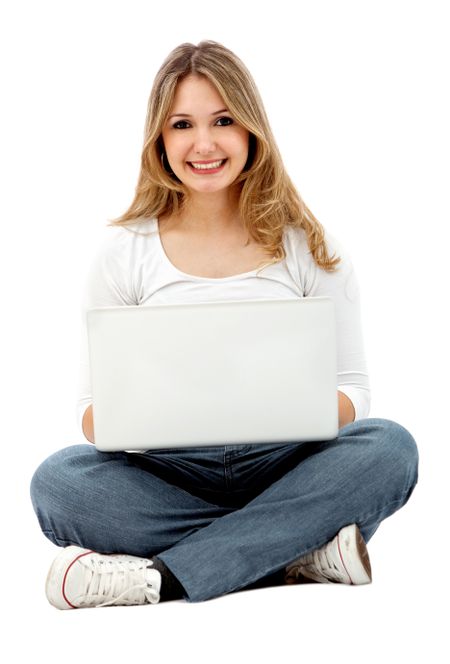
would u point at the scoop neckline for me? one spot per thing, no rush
(194, 276)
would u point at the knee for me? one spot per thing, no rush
(395, 439)
(54, 475)
(395, 449)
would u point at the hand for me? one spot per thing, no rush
(346, 410)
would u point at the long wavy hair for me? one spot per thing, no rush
(268, 200)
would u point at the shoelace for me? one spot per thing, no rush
(318, 563)
(115, 579)
(322, 561)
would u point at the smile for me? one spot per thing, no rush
(212, 166)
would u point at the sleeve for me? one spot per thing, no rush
(108, 284)
(342, 286)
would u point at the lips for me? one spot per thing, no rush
(205, 167)
(207, 161)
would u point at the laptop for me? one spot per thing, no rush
(213, 373)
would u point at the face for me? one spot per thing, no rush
(205, 146)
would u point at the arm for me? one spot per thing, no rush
(346, 410)
(341, 285)
(108, 283)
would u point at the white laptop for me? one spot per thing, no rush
(216, 373)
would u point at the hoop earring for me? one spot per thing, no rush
(166, 167)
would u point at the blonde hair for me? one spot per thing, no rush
(268, 200)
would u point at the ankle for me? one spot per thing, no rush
(171, 588)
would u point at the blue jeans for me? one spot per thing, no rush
(224, 518)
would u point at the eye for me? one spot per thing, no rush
(180, 122)
(227, 121)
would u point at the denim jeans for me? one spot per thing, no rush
(223, 518)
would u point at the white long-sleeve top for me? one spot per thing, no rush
(132, 268)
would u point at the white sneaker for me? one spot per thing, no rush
(343, 560)
(80, 578)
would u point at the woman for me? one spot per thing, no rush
(216, 217)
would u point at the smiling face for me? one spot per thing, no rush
(205, 146)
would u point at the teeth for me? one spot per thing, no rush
(205, 167)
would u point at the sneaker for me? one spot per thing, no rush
(80, 578)
(343, 560)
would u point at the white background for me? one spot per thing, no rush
(357, 95)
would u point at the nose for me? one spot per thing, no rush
(204, 142)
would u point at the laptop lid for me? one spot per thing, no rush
(213, 373)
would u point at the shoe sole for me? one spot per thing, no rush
(354, 555)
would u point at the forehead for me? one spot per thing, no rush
(195, 90)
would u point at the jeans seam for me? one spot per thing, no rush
(61, 542)
(227, 467)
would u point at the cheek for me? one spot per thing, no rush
(173, 143)
(238, 145)
(169, 145)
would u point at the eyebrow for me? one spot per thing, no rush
(186, 115)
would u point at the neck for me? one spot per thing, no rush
(210, 213)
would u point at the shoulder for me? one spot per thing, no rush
(116, 263)
(296, 241)
(313, 279)
(117, 240)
